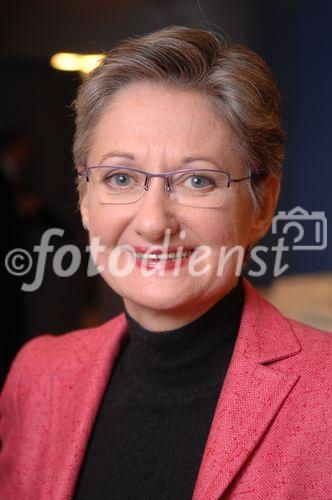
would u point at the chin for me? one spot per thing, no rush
(153, 295)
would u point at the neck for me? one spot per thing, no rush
(189, 358)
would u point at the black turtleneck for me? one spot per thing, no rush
(149, 437)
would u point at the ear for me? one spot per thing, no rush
(266, 209)
(84, 208)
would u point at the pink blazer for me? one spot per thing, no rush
(271, 435)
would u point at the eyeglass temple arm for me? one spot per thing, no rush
(230, 180)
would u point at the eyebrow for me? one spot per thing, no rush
(119, 154)
(128, 156)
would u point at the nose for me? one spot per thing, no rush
(155, 213)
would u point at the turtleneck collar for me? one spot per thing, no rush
(191, 358)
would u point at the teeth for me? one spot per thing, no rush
(154, 256)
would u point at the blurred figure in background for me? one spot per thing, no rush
(16, 148)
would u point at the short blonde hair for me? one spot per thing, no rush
(236, 80)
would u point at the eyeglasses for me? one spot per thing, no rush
(203, 188)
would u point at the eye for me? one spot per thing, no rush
(198, 181)
(118, 180)
(121, 179)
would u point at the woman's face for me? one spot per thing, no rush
(159, 127)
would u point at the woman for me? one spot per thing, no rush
(200, 389)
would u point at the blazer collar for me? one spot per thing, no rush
(250, 398)
(265, 334)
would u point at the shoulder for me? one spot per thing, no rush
(316, 349)
(301, 348)
(311, 336)
(318, 342)
(42, 356)
(313, 358)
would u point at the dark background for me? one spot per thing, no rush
(294, 37)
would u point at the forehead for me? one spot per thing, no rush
(151, 120)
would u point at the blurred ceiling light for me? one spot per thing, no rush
(68, 61)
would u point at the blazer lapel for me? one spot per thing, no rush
(76, 400)
(251, 396)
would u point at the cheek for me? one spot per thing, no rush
(106, 223)
(228, 229)
(240, 219)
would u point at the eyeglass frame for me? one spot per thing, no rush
(165, 175)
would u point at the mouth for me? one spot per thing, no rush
(154, 255)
